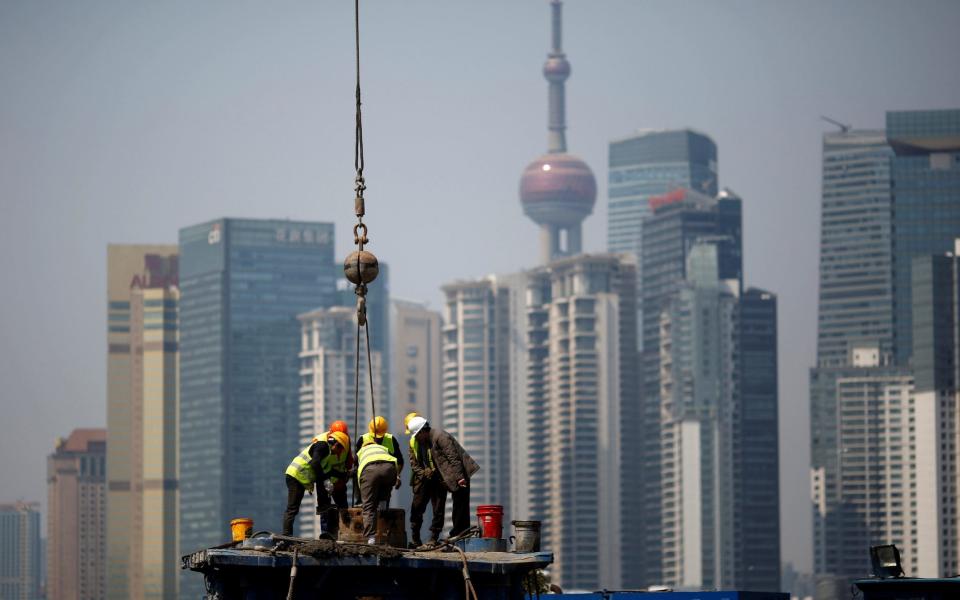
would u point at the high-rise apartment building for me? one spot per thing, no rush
(20, 552)
(678, 219)
(925, 174)
(142, 369)
(243, 283)
(647, 164)
(582, 415)
(475, 386)
(77, 516)
(935, 283)
(328, 380)
(718, 394)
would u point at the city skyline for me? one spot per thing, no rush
(76, 214)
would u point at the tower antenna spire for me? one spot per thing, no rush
(556, 71)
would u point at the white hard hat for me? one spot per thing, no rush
(416, 424)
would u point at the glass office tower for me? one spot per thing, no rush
(243, 283)
(926, 199)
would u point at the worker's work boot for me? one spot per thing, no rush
(371, 541)
(415, 541)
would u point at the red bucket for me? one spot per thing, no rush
(490, 518)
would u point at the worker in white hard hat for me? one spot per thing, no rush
(456, 467)
(427, 489)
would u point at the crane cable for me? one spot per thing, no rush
(360, 239)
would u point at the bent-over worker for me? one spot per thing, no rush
(427, 489)
(377, 474)
(455, 465)
(313, 465)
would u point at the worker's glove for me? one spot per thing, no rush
(399, 483)
(428, 473)
(328, 486)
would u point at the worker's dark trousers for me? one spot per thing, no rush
(461, 510)
(325, 501)
(376, 483)
(432, 492)
(295, 492)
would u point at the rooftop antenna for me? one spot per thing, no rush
(844, 128)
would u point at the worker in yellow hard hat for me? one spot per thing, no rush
(377, 434)
(427, 489)
(377, 473)
(317, 463)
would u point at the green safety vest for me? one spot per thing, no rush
(336, 463)
(373, 453)
(415, 451)
(386, 442)
(300, 468)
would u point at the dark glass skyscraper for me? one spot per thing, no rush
(652, 163)
(926, 200)
(243, 283)
(677, 221)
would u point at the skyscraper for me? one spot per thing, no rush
(77, 516)
(652, 163)
(20, 560)
(476, 388)
(925, 173)
(889, 199)
(935, 283)
(581, 419)
(678, 219)
(718, 395)
(558, 189)
(328, 380)
(243, 283)
(142, 369)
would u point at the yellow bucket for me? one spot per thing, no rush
(241, 528)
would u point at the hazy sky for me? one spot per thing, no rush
(122, 122)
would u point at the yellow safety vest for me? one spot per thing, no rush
(386, 442)
(336, 463)
(415, 451)
(373, 453)
(300, 468)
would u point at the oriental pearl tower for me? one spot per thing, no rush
(558, 189)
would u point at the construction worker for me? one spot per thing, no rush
(427, 489)
(455, 467)
(377, 473)
(313, 464)
(378, 434)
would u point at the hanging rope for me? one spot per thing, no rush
(361, 266)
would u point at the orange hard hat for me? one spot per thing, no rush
(340, 426)
(378, 426)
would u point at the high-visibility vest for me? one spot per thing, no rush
(386, 442)
(336, 463)
(373, 453)
(300, 468)
(415, 451)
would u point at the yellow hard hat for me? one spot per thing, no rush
(406, 421)
(342, 438)
(378, 426)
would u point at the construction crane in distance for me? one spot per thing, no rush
(844, 128)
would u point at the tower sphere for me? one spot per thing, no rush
(558, 189)
(556, 69)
